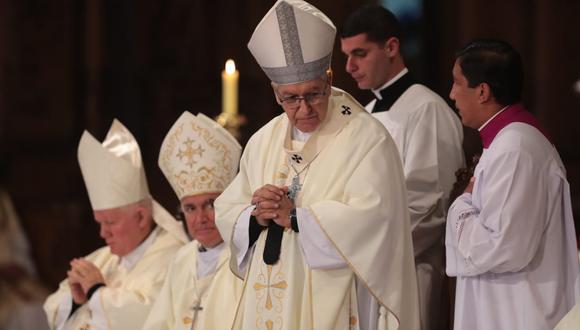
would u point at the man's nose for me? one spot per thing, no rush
(304, 105)
(200, 216)
(104, 232)
(350, 65)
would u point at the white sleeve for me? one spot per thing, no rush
(504, 235)
(98, 320)
(460, 210)
(318, 251)
(241, 238)
(120, 308)
(432, 154)
(63, 311)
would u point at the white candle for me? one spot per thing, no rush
(230, 78)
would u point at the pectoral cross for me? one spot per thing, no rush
(294, 188)
(196, 308)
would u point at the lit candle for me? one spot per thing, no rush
(230, 89)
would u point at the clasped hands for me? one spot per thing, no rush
(272, 204)
(82, 275)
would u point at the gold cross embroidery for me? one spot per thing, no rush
(282, 285)
(189, 152)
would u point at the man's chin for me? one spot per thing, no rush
(116, 252)
(210, 243)
(362, 84)
(308, 126)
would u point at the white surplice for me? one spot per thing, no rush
(200, 291)
(429, 137)
(361, 218)
(511, 243)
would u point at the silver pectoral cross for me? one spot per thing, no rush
(197, 308)
(294, 188)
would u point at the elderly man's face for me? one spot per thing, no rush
(200, 218)
(305, 104)
(123, 228)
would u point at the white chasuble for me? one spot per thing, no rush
(571, 321)
(188, 301)
(365, 219)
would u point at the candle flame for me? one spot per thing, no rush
(230, 66)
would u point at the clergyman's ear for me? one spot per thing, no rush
(392, 46)
(484, 93)
(275, 89)
(143, 216)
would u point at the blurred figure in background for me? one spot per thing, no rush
(21, 294)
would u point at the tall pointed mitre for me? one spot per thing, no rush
(112, 170)
(114, 175)
(293, 42)
(198, 156)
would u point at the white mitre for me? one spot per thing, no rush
(198, 156)
(293, 42)
(112, 170)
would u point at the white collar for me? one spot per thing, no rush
(377, 91)
(207, 260)
(299, 135)
(490, 119)
(130, 260)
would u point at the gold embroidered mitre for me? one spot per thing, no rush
(198, 156)
(113, 170)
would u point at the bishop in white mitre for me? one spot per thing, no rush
(320, 242)
(115, 286)
(199, 158)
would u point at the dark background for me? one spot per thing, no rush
(68, 65)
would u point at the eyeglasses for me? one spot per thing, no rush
(293, 102)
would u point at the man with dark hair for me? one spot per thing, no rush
(510, 235)
(199, 158)
(428, 136)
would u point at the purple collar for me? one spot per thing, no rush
(515, 113)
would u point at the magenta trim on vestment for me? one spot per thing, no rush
(515, 113)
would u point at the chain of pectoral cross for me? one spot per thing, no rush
(295, 185)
